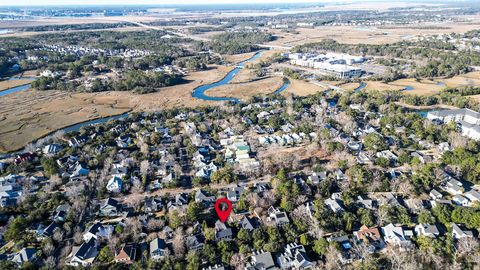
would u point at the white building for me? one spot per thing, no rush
(469, 120)
(338, 65)
(114, 184)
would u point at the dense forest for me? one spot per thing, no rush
(86, 26)
(241, 42)
(151, 40)
(135, 80)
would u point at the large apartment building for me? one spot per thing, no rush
(469, 120)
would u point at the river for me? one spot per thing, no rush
(199, 92)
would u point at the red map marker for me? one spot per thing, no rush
(223, 212)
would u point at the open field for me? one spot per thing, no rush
(237, 58)
(29, 115)
(72, 20)
(349, 86)
(302, 88)
(244, 91)
(419, 88)
(475, 97)
(13, 83)
(422, 87)
(425, 86)
(246, 74)
(371, 34)
(469, 79)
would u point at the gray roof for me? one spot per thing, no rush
(262, 260)
(156, 244)
(25, 255)
(455, 112)
(82, 252)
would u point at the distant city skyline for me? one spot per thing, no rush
(149, 2)
(190, 2)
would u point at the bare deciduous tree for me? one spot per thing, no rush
(238, 261)
(178, 244)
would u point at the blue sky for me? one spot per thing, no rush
(144, 2)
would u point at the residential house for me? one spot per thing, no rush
(79, 172)
(261, 187)
(98, 230)
(25, 255)
(249, 223)
(123, 141)
(454, 187)
(51, 149)
(127, 254)
(459, 233)
(371, 237)
(435, 195)
(261, 260)
(428, 230)
(179, 201)
(222, 232)
(334, 205)
(294, 256)
(152, 205)
(389, 155)
(114, 184)
(44, 232)
(83, 255)
(24, 157)
(61, 213)
(460, 200)
(394, 235)
(473, 196)
(204, 198)
(315, 178)
(111, 208)
(195, 242)
(278, 217)
(77, 141)
(234, 193)
(158, 249)
(365, 202)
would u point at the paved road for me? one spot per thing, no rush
(183, 35)
(169, 31)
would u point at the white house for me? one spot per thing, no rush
(114, 184)
(427, 230)
(460, 200)
(473, 196)
(334, 205)
(98, 230)
(458, 233)
(394, 235)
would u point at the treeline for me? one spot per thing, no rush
(136, 80)
(86, 26)
(151, 40)
(440, 61)
(235, 43)
(453, 97)
(12, 48)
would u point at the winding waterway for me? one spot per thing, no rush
(199, 92)
(15, 89)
